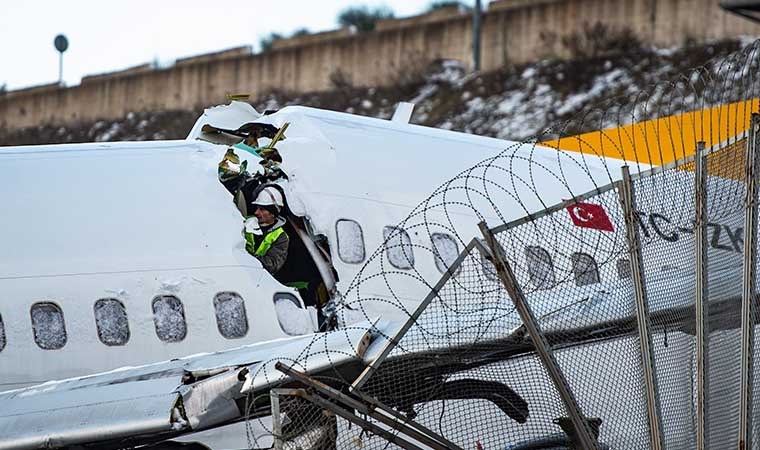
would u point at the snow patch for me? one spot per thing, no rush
(427, 91)
(451, 72)
(121, 293)
(172, 285)
(529, 73)
(110, 133)
(602, 84)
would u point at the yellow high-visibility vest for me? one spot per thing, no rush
(269, 239)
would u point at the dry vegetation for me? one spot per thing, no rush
(514, 102)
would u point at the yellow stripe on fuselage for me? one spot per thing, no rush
(664, 140)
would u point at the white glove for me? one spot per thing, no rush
(252, 225)
(230, 166)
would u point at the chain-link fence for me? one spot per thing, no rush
(572, 317)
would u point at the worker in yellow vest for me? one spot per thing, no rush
(265, 239)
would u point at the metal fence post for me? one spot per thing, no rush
(274, 398)
(504, 270)
(642, 310)
(748, 285)
(700, 302)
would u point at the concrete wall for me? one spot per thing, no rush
(511, 34)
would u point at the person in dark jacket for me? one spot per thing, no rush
(264, 235)
(267, 237)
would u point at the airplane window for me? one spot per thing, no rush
(445, 249)
(48, 326)
(2, 334)
(294, 320)
(623, 269)
(398, 247)
(169, 318)
(585, 269)
(230, 315)
(540, 267)
(111, 321)
(350, 241)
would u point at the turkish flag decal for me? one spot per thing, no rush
(590, 215)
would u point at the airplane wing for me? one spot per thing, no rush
(142, 405)
(136, 405)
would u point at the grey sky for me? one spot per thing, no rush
(111, 35)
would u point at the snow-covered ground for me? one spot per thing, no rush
(511, 103)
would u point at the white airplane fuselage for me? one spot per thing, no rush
(147, 222)
(141, 227)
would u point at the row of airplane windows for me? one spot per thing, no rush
(49, 327)
(585, 269)
(399, 248)
(400, 253)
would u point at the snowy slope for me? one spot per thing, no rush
(512, 103)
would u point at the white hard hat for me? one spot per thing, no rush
(269, 196)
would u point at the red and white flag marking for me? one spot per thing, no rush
(590, 215)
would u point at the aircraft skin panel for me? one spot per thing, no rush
(140, 220)
(111, 203)
(407, 161)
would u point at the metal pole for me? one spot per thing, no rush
(60, 68)
(642, 310)
(356, 420)
(748, 285)
(504, 270)
(406, 426)
(476, 34)
(393, 342)
(274, 396)
(700, 302)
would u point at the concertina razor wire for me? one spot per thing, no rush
(466, 368)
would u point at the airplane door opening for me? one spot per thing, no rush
(263, 203)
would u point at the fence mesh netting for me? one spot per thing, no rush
(467, 368)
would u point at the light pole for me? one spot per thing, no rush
(61, 44)
(476, 25)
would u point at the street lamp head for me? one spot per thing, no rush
(61, 43)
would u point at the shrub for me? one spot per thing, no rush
(300, 32)
(267, 41)
(600, 40)
(441, 4)
(340, 80)
(362, 17)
